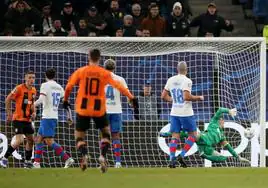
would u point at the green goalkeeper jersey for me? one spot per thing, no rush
(214, 134)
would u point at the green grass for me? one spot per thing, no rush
(135, 178)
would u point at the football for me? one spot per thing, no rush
(249, 133)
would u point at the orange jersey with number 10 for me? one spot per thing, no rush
(90, 99)
(24, 99)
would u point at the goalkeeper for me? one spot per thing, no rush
(207, 140)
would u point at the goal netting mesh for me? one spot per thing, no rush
(227, 73)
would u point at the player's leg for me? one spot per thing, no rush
(102, 124)
(115, 121)
(189, 125)
(39, 145)
(175, 128)
(49, 126)
(28, 132)
(208, 152)
(19, 138)
(82, 124)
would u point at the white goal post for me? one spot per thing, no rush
(229, 72)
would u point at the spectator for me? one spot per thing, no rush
(95, 21)
(68, 17)
(186, 9)
(149, 108)
(113, 17)
(19, 16)
(210, 23)
(154, 22)
(128, 29)
(3, 10)
(46, 20)
(137, 15)
(58, 29)
(28, 32)
(146, 33)
(92, 34)
(119, 32)
(8, 32)
(82, 31)
(177, 23)
(143, 4)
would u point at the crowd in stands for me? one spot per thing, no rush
(130, 18)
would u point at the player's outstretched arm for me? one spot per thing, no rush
(220, 111)
(228, 147)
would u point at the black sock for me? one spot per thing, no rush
(10, 150)
(28, 154)
(83, 149)
(104, 148)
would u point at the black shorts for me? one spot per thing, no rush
(83, 123)
(22, 127)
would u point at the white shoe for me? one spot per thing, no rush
(36, 165)
(69, 162)
(103, 164)
(118, 165)
(3, 162)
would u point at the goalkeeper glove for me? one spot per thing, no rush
(233, 112)
(134, 103)
(242, 159)
(66, 105)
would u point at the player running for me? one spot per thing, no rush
(91, 104)
(214, 135)
(23, 95)
(114, 111)
(51, 94)
(182, 114)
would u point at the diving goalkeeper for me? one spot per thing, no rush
(207, 140)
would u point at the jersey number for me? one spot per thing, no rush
(177, 95)
(56, 99)
(110, 93)
(92, 89)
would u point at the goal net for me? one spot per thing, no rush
(226, 71)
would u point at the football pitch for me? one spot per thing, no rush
(136, 178)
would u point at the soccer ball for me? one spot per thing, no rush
(249, 133)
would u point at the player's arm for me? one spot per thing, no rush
(119, 86)
(187, 96)
(73, 80)
(11, 96)
(166, 92)
(165, 96)
(33, 108)
(42, 96)
(221, 111)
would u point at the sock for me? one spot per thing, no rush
(172, 148)
(10, 150)
(104, 146)
(38, 152)
(59, 151)
(117, 150)
(187, 146)
(83, 149)
(28, 154)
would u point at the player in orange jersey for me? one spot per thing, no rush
(23, 95)
(91, 104)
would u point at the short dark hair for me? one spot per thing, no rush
(95, 55)
(109, 64)
(29, 72)
(50, 73)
